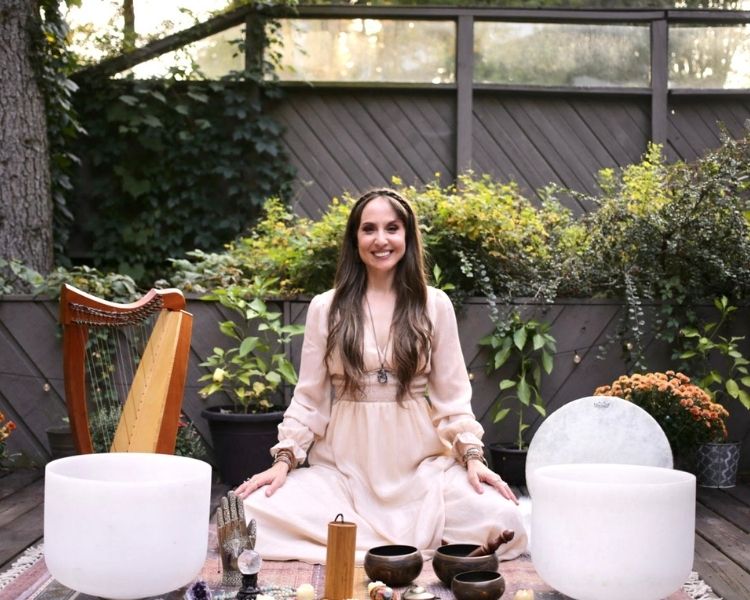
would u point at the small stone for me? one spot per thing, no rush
(198, 591)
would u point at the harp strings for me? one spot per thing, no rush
(112, 358)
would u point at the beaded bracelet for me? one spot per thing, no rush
(473, 453)
(286, 457)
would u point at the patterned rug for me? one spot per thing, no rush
(32, 581)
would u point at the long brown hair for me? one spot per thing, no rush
(411, 327)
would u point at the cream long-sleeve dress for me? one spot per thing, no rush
(390, 468)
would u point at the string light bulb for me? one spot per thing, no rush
(577, 358)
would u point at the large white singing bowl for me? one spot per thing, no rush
(613, 531)
(126, 525)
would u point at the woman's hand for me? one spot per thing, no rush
(480, 473)
(274, 478)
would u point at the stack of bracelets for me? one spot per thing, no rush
(473, 453)
(286, 456)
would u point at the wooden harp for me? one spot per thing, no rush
(113, 363)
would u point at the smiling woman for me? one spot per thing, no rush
(405, 469)
(381, 238)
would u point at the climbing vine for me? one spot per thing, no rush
(54, 64)
(177, 163)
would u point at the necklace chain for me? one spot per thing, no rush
(382, 373)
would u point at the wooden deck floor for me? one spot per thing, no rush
(722, 541)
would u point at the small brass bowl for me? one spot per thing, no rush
(394, 565)
(478, 585)
(452, 559)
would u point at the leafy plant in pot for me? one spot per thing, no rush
(252, 373)
(529, 347)
(720, 368)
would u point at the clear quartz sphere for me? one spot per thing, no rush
(249, 562)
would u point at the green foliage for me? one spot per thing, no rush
(189, 442)
(111, 286)
(529, 348)
(173, 166)
(178, 163)
(252, 370)
(676, 234)
(701, 346)
(485, 236)
(299, 254)
(488, 238)
(16, 277)
(105, 418)
(54, 63)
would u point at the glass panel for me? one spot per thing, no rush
(367, 50)
(209, 58)
(709, 57)
(555, 4)
(562, 54)
(96, 25)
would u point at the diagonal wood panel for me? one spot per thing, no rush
(352, 141)
(694, 123)
(499, 136)
(349, 140)
(541, 140)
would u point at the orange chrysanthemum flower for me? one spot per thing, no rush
(687, 414)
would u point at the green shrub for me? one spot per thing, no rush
(489, 239)
(672, 227)
(485, 237)
(674, 234)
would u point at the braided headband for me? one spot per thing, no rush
(387, 192)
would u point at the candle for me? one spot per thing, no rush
(524, 595)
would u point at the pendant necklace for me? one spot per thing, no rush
(382, 374)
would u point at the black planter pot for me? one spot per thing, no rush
(60, 440)
(509, 462)
(241, 441)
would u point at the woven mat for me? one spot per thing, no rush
(35, 583)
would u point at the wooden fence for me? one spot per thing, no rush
(343, 136)
(31, 383)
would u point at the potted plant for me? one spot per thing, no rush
(60, 439)
(252, 373)
(529, 347)
(687, 414)
(721, 369)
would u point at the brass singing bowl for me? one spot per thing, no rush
(452, 559)
(394, 565)
(478, 585)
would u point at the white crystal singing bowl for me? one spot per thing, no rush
(613, 531)
(126, 525)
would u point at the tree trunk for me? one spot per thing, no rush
(128, 29)
(25, 196)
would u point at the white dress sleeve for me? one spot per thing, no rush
(308, 414)
(448, 382)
